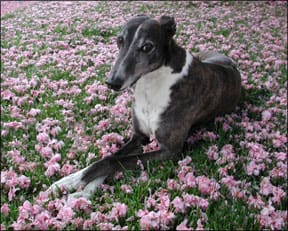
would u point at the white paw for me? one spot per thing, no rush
(89, 189)
(71, 182)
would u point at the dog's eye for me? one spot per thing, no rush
(120, 41)
(147, 47)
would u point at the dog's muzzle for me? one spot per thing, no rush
(114, 84)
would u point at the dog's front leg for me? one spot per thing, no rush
(85, 176)
(114, 163)
(108, 166)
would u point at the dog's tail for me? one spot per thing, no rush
(215, 58)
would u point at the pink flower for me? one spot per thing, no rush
(210, 135)
(164, 202)
(182, 172)
(106, 226)
(11, 193)
(257, 152)
(118, 175)
(255, 202)
(7, 94)
(279, 171)
(25, 210)
(254, 169)
(65, 214)
(3, 227)
(34, 112)
(143, 177)
(5, 209)
(88, 224)
(141, 213)
(199, 225)
(52, 169)
(42, 220)
(266, 115)
(151, 202)
(229, 181)
(203, 184)
(195, 201)
(190, 180)
(42, 197)
(153, 146)
(43, 138)
(272, 219)
(172, 184)
(278, 195)
(19, 225)
(150, 221)
(78, 221)
(55, 131)
(226, 127)
(118, 210)
(178, 205)
(67, 169)
(23, 181)
(207, 186)
(186, 161)
(46, 152)
(166, 218)
(281, 156)
(126, 188)
(15, 125)
(183, 226)
(212, 152)
(227, 154)
(98, 217)
(266, 187)
(81, 204)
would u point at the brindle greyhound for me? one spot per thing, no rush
(174, 91)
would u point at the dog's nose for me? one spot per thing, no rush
(114, 84)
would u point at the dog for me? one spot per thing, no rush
(174, 92)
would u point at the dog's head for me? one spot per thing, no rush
(143, 45)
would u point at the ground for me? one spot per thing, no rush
(57, 116)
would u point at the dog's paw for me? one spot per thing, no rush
(71, 182)
(89, 189)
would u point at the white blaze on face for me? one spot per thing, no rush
(129, 81)
(152, 95)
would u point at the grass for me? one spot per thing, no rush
(105, 34)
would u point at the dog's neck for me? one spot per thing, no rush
(175, 56)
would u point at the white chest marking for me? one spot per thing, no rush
(152, 95)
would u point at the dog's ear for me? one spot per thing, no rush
(168, 25)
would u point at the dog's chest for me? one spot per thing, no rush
(152, 97)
